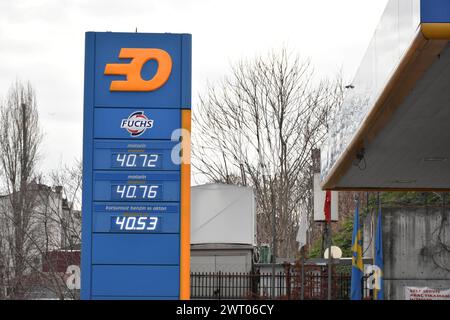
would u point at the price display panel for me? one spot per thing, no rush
(136, 233)
(129, 186)
(136, 218)
(135, 223)
(132, 155)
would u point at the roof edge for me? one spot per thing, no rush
(423, 51)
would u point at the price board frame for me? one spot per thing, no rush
(136, 185)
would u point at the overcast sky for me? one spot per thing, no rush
(42, 41)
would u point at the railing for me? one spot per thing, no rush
(288, 286)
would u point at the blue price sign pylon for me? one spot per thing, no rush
(136, 166)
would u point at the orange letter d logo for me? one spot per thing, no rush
(132, 70)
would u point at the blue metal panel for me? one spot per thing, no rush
(88, 126)
(435, 11)
(135, 280)
(156, 249)
(136, 176)
(108, 123)
(132, 155)
(108, 46)
(186, 71)
(169, 214)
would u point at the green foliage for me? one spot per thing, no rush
(342, 239)
(399, 199)
(409, 198)
(315, 250)
(345, 269)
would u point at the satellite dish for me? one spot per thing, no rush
(336, 253)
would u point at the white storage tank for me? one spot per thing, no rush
(222, 213)
(223, 228)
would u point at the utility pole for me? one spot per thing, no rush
(302, 293)
(330, 262)
(374, 226)
(274, 249)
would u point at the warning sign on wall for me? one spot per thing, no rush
(425, 293)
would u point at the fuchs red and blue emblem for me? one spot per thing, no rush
(137, 123)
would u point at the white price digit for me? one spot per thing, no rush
(141, 223)
(131, 192)
(145, 159)
(121, 158)
(145, 190)
(120, 221)
(153, 222)
(130, 223)
(121, 190)
(152, 192)
(152, 161)
(131, 157)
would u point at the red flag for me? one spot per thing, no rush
(327, 207)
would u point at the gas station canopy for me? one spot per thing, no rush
(393, 130)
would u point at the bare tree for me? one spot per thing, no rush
(258, 128)
(40, 226)
(69, 179)
(20, 138)
(58, 242)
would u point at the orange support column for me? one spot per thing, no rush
(185, 231)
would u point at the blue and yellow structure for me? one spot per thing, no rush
(392, 131)
(136, 166)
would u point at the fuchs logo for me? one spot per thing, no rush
(137, 123)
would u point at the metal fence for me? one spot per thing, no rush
(288, 286)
